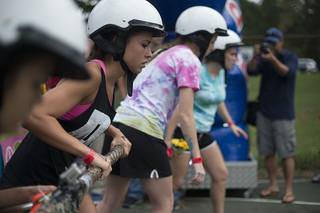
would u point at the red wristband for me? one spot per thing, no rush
(89, 158)
(197, 160)
(230, 123)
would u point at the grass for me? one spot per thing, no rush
(307, 123)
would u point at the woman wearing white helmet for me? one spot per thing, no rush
(74, 113)
(207, 101)
(31, 49)
(28, 41)
(170, 77)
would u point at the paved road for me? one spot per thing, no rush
(307, 201)
(198, 201)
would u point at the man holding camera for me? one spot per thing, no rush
(275, 118)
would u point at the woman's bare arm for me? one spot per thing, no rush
(21, 195)
(188, 127)
(172, 125)
(224, 114)
(42, 121)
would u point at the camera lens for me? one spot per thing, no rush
(264, 46)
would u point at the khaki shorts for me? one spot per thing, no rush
(276, 136)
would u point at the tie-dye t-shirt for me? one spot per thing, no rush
(212, 92)
(156, 90)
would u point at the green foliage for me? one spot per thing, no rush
(87, 5)
(251, 14)
(271, 13)
(292, 17)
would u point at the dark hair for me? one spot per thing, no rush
(96, 51)
(99, 53)
(180, 40)
(13, 62)
(215, 56)
(17, 60)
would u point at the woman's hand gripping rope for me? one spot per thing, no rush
(103, 163)
(118, 139)
(72, 188)
(111, 157)
(123, 142)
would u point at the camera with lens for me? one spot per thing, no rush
(264, 46)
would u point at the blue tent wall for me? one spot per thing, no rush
(233, 148)
(170, 10)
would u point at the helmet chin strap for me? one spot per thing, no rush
(130, 75)
(1, 89)
(113, 49)
(202, 44)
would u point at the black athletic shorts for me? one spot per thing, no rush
(147, 158)
(205, 140)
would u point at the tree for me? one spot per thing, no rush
(297, 19)
(86, 5)
(309, 24)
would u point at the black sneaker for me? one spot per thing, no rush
(131, 202)
(176, 206)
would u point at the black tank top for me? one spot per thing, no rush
(36, 162)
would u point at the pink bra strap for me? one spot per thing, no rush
(101, 64)
(104, 70)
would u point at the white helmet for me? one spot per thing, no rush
(199, 19)
(222, 43)
(120, 17)
(233, 40)
(52, 25)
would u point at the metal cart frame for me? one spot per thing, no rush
(242, 175)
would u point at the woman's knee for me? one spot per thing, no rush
(113, 200)
(163, 204)
(220, 175)
(177, 183)
(108, 204)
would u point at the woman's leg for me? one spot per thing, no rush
(214, 163)
(116, 189)
(87, 205)
(179, 166)
(160, 193)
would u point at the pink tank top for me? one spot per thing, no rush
(79, 109)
